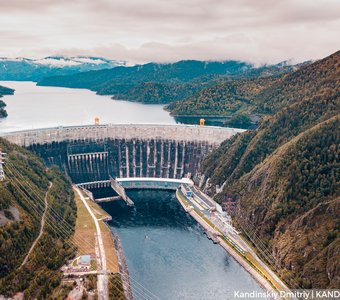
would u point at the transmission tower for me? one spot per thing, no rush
(2, 162)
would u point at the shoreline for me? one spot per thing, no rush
(241, 261)
(123, 268)
(212, 233)
(103, 247)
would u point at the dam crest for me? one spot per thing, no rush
(97, 152)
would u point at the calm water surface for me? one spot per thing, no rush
(37, 106)
(168, 253)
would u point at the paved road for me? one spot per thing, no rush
(203, 203)
(42, 225)
(102, 282)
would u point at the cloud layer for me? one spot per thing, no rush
(261, 31)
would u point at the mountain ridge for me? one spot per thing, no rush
(284, 172)
(25, 69)
(161, 83)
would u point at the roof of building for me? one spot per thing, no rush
(85, 259)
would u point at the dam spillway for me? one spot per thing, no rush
(96, 152)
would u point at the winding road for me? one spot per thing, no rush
(42, 225)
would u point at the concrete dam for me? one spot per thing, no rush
(98, 152)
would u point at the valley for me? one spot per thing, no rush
(278, 182)
(169, 150)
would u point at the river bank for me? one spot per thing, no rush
(249, 261)
(123, 268)
(95, 269)
(168, 253)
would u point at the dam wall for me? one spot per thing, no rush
(210, 134)
(86, 161)
(94, 153)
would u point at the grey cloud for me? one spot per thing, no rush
(163, 30)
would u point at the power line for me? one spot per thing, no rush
(138, 288)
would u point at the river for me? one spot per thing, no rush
(168, 253)
(166, 250)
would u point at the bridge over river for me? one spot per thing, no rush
(95, 153)
(119, 185)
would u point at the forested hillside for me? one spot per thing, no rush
(152, 82)
(21, 208)
(162, 83)
(281, 181)
(244, 95)
(4, 91)
(226, 97)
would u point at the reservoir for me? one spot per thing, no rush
(168, 253)
(34, 106)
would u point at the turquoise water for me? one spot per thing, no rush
(169, 254)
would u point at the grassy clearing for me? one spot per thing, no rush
(110, 252)
(85, 232)
(93, 265)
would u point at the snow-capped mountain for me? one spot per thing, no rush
(36, 69)
(77, 60)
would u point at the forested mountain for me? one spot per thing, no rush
(4, 91)
(161, 83)
(240, 95)
(36, 69)
(281, 181)
(227, 96)
(152, 82)
(21, 208)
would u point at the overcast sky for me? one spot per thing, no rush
(259, 31)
